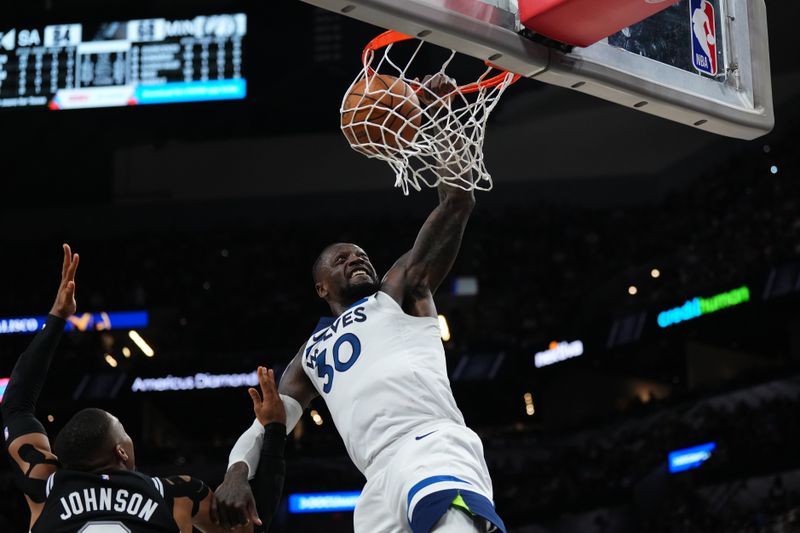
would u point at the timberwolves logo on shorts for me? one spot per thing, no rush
(704, 37)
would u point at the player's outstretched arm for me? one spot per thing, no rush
(237, 501)
(414, 278)
(26, 438)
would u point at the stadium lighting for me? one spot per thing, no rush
(323, 502)
(557, 352)
(632, 290)
(315, 416)
(655, 273)
(111, 361)
(141, 343)
(126, 352)
(465, 286)
(529, 409)
(3, 386)
(199, 381)
(689, 458)
(703, 306)
(445, 328)
(103, 321)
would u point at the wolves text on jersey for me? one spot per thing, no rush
(318, 359)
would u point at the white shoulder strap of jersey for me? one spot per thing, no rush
(49, 486)
(159, 485)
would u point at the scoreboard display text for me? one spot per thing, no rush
(136, 62)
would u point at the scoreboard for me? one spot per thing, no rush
(134, 62)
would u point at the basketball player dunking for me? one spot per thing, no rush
(89, 485)
(380, 365)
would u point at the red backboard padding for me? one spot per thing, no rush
(584, 22)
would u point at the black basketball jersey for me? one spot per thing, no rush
(114, 502)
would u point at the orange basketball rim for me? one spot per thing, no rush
(391, 36)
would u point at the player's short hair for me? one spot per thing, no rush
(81, 441)
(318, 262)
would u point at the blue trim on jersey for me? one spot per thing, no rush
(361, 301)
(326, 321)
(430, 481)
(432, 508)
(323, 323)
(482, 506)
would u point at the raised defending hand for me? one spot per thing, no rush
(233, 504)
(268, 406)
(65, 304)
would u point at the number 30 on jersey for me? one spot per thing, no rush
(342, 356)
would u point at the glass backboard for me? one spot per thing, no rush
(663, 65)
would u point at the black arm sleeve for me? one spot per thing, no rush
(27, 380)
(177, 487)
(268, 484)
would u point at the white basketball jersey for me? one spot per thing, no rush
(382, 374)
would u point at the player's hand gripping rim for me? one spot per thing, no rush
(436, 91)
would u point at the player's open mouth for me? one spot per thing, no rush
(359, 272)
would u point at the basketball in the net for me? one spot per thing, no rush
(379, 112)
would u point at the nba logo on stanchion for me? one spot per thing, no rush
(704, 37)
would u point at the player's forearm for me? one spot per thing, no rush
(249, 446)
(268, 483)
(450, 153)
(439, 241)
(30, 371)
(247, 449)
(447, 221)
(28, 377)
(455, 199)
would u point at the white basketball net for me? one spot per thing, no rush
(448, 146)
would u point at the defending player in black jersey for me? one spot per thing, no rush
(89, 485)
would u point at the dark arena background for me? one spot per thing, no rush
(629, 289)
